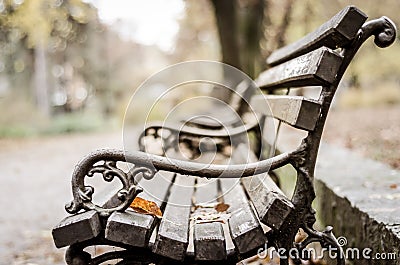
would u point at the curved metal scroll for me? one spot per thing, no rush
(76, 254)
(105, 165)
(325, 238)
(384, 31)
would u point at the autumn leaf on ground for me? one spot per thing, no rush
(146, 207)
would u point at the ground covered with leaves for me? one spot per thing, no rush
(373, 132)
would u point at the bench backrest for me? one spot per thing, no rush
(308, 62)
(339, 31)
(319, 59)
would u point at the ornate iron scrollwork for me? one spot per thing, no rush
(76, 254)
(108, 169)
(155, 131)
(383, 29)
(325, 238)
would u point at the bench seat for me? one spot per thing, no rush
(191, 227)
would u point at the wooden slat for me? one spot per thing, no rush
(139, 225)
(77, 228)
(173, 233)
(206, 191)
(297, 111)
(245, 229)
(271, 204)
(209, 239)
(315, 68)
(337, 32)
(240, 98)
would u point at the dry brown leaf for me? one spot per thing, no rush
(146, 207)
(221, 207)
(300, 236)
(393, 186)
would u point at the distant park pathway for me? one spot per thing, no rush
(35, 184)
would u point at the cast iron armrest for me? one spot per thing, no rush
(146, 165)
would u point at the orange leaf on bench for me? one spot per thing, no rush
(146, 207)
(221, 207)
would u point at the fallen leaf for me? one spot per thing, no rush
(221, 207)
(300, 236)
(146, 207)
(393, 186)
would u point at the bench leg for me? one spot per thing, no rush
(303, 216)
(76, 256)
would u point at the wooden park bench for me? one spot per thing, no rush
(255, 213)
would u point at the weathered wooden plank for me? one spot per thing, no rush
(130, 228)
(297, 111)
(241, 96)
(173, 233)
(139, 225)
(271, 204)
(206, 191)
(337, 32)
(316, 68)
(245, 229)
(209, 239)
(77, 228)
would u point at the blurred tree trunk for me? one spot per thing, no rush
(241, 26)
(240, 32)
(281, 32)
(225, 13)
(226, 17)
(40, 79)
(252, 31)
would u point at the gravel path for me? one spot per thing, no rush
(35, 185)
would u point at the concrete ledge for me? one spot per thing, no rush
(360, 198)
